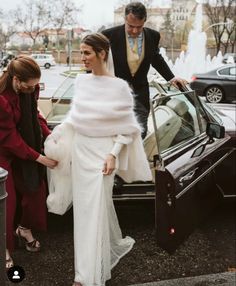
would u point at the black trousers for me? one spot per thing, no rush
(141, 113)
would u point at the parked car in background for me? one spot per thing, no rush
(191, 151)
(229, 58)
(44, 60)
(218, 85)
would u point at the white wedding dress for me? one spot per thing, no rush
(97, 236)
(102, 111)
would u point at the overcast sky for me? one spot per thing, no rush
(95, 13)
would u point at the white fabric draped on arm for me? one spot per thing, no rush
(58, 147)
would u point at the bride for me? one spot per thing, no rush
(104, 140)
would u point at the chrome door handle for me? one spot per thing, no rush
(187, 177)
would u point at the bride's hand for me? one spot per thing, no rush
(109, 165)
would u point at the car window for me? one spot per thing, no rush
(214, 116)
(224, 71)
(179, 118)
(232, 71)
(65, 90)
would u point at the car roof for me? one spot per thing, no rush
(229, 54)
(231, 65)
(216, 69)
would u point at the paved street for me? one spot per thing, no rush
(52, 79)
(218, 279)
(210, 249)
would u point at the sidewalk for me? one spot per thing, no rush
(219, 279)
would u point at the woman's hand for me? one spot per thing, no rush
(44, 160)
(109, 165)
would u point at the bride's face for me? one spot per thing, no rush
(90, 59)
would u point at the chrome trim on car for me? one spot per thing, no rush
(223, 194)
(133, 197)
(204, 174)
(139, 185)
(166, 154)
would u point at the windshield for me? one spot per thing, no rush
(211, 111)
(65, 90)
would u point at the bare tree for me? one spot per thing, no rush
(65, 14)
(231, 32)
(146, 3)
(7, 28)
(33, 17)
(220, 12)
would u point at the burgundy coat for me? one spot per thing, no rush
(33, 205)
(11, 142)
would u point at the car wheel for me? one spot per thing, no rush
(214, 94)
(47, 66)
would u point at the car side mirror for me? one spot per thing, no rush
(214, 130)
(41, 86)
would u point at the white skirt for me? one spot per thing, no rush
(98, 239)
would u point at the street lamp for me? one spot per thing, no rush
(219, 24)
(69, 39)
(229, 24)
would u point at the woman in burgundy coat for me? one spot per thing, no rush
(22, 131)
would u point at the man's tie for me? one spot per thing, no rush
(135, 46)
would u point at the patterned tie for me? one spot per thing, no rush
(135, 46)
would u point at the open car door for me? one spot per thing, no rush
(185, 159)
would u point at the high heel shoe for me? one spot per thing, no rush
(32, 246)
(9, 261)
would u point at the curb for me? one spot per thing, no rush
(221, 279)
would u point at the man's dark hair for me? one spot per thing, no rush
(137, 9)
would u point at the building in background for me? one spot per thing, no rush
(181, 11)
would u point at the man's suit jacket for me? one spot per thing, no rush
(139, 83)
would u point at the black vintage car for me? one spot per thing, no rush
(191, 150)
(194, 163)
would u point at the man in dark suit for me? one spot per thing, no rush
(134, 48)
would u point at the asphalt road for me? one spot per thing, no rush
(52, 79)
(210, 249)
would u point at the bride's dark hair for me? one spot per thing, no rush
(98, 42)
